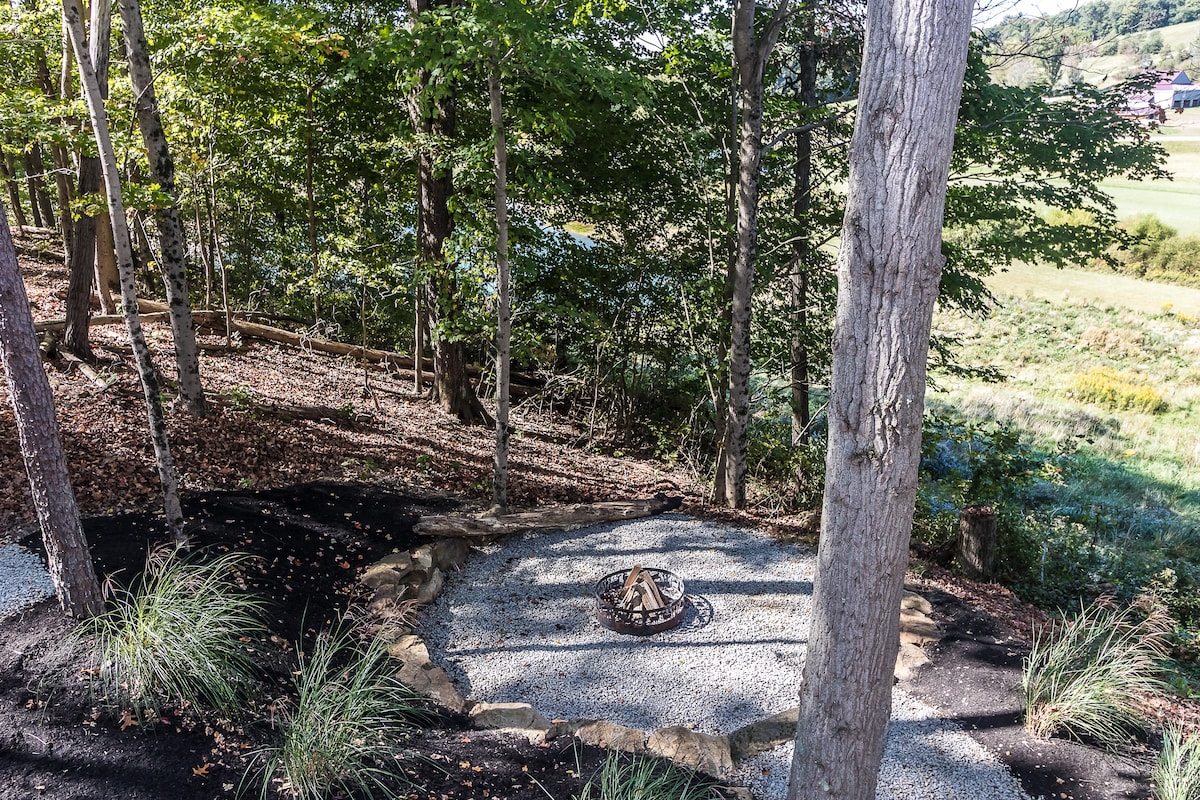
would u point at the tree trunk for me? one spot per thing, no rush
(802, 249)
(84, 251)
(58, 153)
(436, 119)
(720, 494)
(976, 546)
(888, 271)
(503, 280)
(310, 197)
(418, 337)
(8, 171)
(32, 177)
(107, 277)
(204, 244)
(62, 185)
(35, 170)
(124, 249)
(81, 265)
(171, 237)
(99, 47)
(67, 553)
(750, 54)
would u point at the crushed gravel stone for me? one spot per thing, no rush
(23, 579)
(516, 625)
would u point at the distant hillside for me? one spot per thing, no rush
(1101, 19)
(1100, 42)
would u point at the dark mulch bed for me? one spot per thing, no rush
(312, 540)
(975, 679)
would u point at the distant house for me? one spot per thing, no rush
(1175, 90)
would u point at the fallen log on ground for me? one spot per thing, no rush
(99, 319)
(551, 517)
(41, 253)
(154, 311)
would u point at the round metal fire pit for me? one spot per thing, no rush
(613, 615)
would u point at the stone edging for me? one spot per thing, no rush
(404, 579)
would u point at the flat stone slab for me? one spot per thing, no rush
(917, 628)
(520, 717)
(698, 751)
(915, 602)
(909, 657)
(389, 569)
(432, 682)
(603, 733)
(764, 734)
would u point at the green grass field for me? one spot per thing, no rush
(1177, 201)
(1103, 289)
(1103, 387)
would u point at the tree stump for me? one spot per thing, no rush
(977, 540)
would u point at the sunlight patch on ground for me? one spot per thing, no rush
(1119, 291)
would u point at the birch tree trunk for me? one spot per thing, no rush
(67, 553)
(503, 285)
(888, 271)
(171, 237)
(750, 54)
(124, 250)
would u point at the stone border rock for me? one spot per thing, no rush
(403, 581)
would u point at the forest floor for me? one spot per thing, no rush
(318, 500)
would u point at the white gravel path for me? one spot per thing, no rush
(515, 625)
(23, 579)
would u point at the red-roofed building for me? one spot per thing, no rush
(1176, 90)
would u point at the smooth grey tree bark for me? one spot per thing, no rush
(124, 252)
(171, 237)
(750, 55)
(889, 267)
(67, 553)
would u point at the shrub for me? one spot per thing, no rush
(1177, 772)
(1178, 254)
(342, 729)
(1123, 342)
(176, 636)
(643, 778)
(1120, 391)
(1083, 679)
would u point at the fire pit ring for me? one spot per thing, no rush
(614, 612)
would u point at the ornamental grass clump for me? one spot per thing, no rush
(643, 778)
(177, 636)
(1084, 678)
(344, 727)
(1177, 772)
